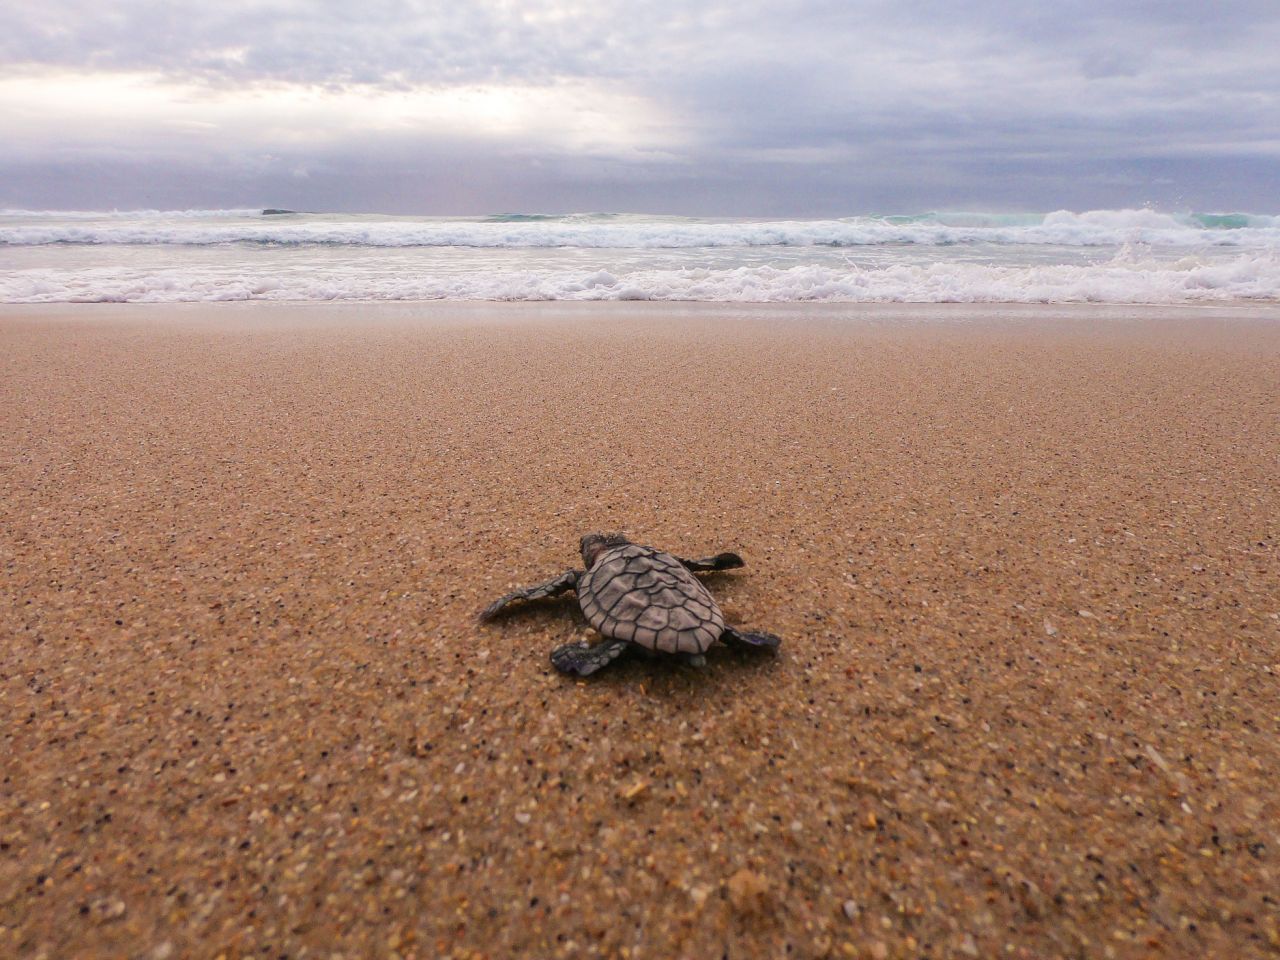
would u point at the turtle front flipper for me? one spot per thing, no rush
(561, 584)
(584, 661)
(750, 641)
(721, 561)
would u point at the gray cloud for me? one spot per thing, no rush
(800, 106)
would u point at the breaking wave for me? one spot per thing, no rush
(1123, 279)
(1096, 228)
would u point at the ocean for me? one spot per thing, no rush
(1100, 256)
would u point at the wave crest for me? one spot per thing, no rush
(1124, 279)
(1094, 228)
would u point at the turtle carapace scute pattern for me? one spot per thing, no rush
(648, 597)
(633, 594)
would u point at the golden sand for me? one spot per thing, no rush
(1023, 561)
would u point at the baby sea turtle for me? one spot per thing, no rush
(636, 594)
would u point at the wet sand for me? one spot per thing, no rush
(1023, 559)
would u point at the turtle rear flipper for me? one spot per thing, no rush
(554, 587)
(749, 640)
(584, 661)
(721, 561)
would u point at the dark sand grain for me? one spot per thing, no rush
(1024, 561)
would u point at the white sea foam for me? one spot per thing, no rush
(1099, 228)
(1123, 279)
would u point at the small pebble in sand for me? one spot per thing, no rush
(748, 892)
(108, 909)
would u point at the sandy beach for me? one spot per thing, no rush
(1023, 559)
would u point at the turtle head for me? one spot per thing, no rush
(594, 544)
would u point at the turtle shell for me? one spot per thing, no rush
(649, 597)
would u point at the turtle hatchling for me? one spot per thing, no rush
(635, 594)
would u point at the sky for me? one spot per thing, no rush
(783, 108)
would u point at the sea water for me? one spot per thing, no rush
(1107, 256)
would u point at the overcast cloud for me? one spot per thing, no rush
(786, 108)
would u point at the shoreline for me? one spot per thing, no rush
(1022, 557)
(915, 310)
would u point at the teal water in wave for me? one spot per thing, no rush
(1222, 221)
